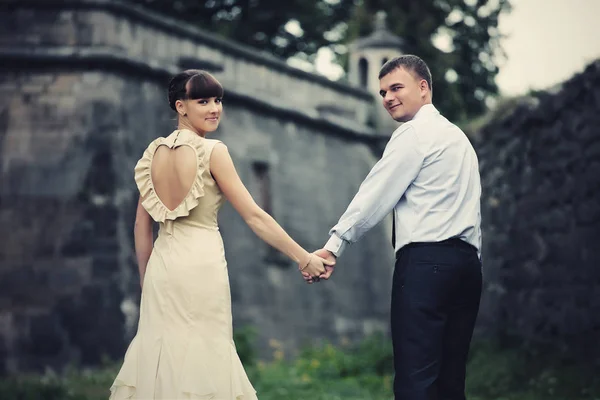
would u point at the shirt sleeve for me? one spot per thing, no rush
(381, 190)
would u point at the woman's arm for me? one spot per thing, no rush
(261, 223)
(143, 237)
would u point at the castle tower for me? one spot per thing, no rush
(367, 56)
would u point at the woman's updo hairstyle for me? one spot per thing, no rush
(193, 84)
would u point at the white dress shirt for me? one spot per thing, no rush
(429, 176)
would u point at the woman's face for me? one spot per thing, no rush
(203, 115)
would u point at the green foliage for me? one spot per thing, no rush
(33, 389)
(73, 384)
(244, 343)
(353, 372)
(528, 373)
(361, 372)
(262, 23)
(464, 76)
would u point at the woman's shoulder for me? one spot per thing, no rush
(211, 144)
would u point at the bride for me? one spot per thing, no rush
(184, 345)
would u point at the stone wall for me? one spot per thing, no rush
(82, 93)
(540, 166)
(102, 33)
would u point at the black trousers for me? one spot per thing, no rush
(435, 300)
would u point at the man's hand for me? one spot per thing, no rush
(327, 255)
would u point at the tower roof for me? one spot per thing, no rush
(381, 36)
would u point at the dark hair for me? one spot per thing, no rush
(193, 84)
(410, 63)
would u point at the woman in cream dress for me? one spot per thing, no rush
(184, 345)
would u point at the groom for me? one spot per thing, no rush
(428, 177)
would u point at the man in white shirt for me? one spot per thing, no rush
(428, 177)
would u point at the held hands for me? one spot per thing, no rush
(327, 260)
(314, 266)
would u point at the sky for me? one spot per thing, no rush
(547, 42)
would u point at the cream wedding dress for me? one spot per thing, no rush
(184, 345)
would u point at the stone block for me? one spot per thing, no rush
(65, 83)
(31, 88)
(9, 88)
(45, 337)
(587, 211)
(105, 266)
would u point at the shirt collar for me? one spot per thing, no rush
(426, 111)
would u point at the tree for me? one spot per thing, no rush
(463, 74)
(283, 28)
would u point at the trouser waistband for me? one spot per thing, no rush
(452, 242)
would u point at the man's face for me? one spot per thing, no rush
(403, 93)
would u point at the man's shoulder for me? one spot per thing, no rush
(406, 131)
(417, 126)
(434, 123)
(405, 127)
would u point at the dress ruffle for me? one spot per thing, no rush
(196, 381)
(242, 388)
(143, 179)
(124, 386)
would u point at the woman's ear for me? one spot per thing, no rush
(181, 108)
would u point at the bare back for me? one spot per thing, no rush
(173, 172)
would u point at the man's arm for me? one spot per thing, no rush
(381, 190)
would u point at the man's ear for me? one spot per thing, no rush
(424, 86)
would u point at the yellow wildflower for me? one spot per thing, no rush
(278, 355)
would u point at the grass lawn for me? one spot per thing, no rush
(360, 372)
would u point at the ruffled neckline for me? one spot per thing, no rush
(143, 179)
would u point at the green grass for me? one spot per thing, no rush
(529, 373)
(359, 372)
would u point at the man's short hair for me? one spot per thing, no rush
(410, 63)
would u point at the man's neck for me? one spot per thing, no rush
(424, 106)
